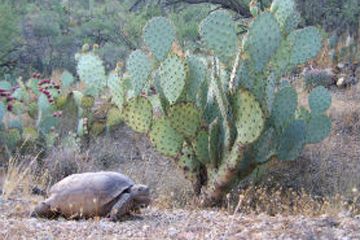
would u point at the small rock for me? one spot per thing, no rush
(172, 232)
(145, 227)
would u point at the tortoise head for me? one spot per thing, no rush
(141, 194)
(43, 210)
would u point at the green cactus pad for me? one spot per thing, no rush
(33, 110)
(21, 95)
(188, 163)
(306, 44)
(197, 75)
(30, 134)
(318, 128)
(114, 117)
(159, 35)
(201, 147)
(284, 107)
(82, 128)
(5, 85)
(87, 102)
(249, 119)
(47, 123)
(214, 137)
(67, 79)
(91, 71)
(265, 147)
(319, 100)
(292, 141)
(202, 95)
(16, 123)
(185, 118)
(97, 128)
(138, 114)
(2, 111)
(117, 90)
(286, 14)
(43, 104)
(172, 76)
(139, 68)
(270, 92)
(12, 138)
(218, 32)
(263, 40)
(165, 138)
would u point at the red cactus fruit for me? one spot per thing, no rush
(10, 107)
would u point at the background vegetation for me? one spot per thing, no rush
(45, 35)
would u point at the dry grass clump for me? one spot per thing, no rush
(287, 201)
(59, 163)
(17, 176)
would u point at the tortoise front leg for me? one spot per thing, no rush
(121, 207)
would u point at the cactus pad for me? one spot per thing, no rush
(214, 136)
(91, 71)
(263, 40)
(12, 138)
(165, 138)
(286, 14)
(2, 111)
(67, 79)
(265, 147)
(197, 75)
(172, 76)
(47, 123)
(114, 117)
(87, 102)
(292, 141)
(218, 32)
(117, 90)
(305, 44)
(159, 35)
(284, 107)
(43, 104)
(30, 134)
(5, 85)
(249, 119)
(188, 163)
(185, 118)
(138, 114)
(139, 68)
(82, 128)
(201, 147)
(97, 128)
(15, 124)
(319, 100)
(318, 128)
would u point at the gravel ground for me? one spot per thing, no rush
(176, 224)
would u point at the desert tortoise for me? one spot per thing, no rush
(86, 195)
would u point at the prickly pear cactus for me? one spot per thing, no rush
(220, 115)
(165, 138)
(172, 76)
(218, 32)
(159, 35)
(92, 72)
(139, 67)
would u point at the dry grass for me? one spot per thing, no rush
(17, 177)
(287, 201)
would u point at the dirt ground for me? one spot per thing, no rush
(155, 223)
